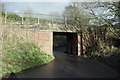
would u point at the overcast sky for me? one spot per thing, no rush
(41, 7)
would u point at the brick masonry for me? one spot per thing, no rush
(43, 39)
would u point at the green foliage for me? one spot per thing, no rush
(59, 41)
(20, 56)
(16, 17)
(113, 41)
(102, 40)
(109, 55)
(12, 16)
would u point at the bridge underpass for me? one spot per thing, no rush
(68, 43)
(45, 40)
(65, 66)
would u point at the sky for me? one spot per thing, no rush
(41, 6)
(57, 0)
(36, 7)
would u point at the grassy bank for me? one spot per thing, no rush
(21, 56)
(18, 52)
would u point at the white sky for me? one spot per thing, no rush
(41, 7)
(57, 0)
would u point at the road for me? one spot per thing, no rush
(68, 66)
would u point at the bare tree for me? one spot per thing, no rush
(106, 13)
(98, 17)
(77, 17)
(28, 15)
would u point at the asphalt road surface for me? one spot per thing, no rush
(68, 66)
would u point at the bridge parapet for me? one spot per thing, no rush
(55, 23)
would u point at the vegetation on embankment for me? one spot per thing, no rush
(108, 56)
(18, 52)
(21, 56)
(17, 18)
(107, 52)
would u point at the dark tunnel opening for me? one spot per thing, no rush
(65, 42)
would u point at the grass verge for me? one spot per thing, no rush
(21, 56)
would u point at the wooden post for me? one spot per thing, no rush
(5, 17)
(38, 19)
(52, 20)
(1, 18)
(65, 21)
(22, 18)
